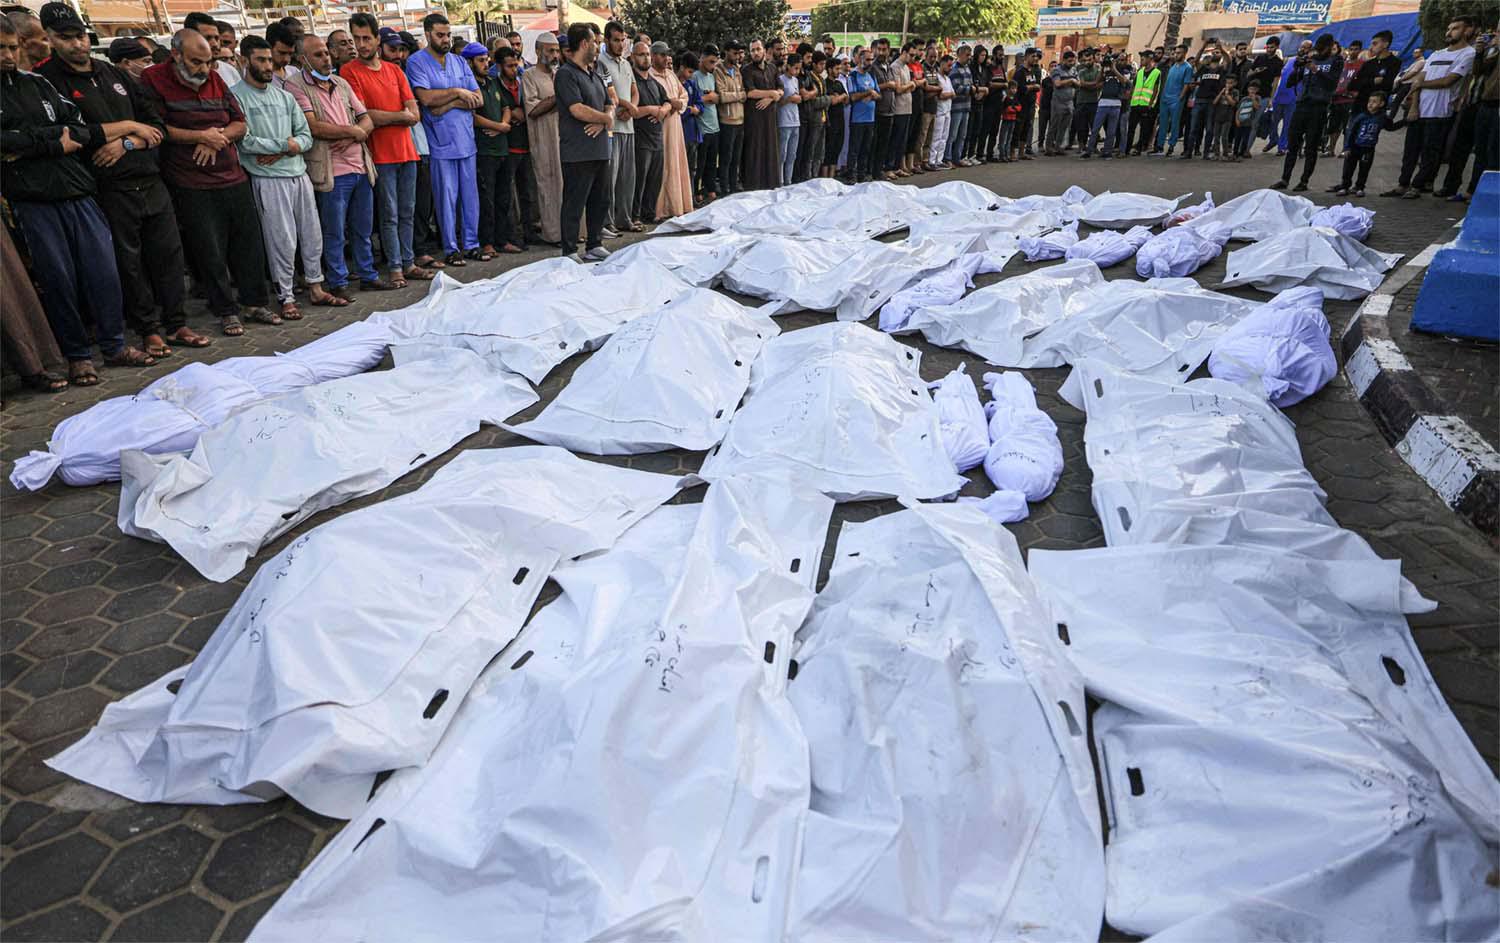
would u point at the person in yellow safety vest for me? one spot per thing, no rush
(1143, 101)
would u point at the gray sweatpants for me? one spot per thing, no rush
(289, 222)
(622, 175)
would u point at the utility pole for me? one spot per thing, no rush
(1175, 9)
(562, 15)
(905, 20)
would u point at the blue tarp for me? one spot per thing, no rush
(1403, 26)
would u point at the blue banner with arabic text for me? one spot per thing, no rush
(1283, 12)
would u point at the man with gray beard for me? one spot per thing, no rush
(211, 191)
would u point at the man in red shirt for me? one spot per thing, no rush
(392, 108)
(215, 205)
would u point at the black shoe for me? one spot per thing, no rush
(1300, 187)
(1279, 185)
(1395, 191)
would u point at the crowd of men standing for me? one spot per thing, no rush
(363, 160)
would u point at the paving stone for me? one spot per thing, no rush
(142, 633)
(58, 713)
(16, 602)
(19, 817)
(139, 669)
(18, 575)
(63, 639)
(26, 773)
(72, 528)
(67, 606)
(185, 917)
(134, 820)
(150, 868)
(135, 603)
(58, 823)
(257, 860)
(22, 525)
(140, 573)
(50, 873)
(196, 633)
(11, 704)
(61, 673)
(229, 819)
(203, 600)
(73, 501)
(12, 666)
(244, 920)
(72, 551)
(71, 922)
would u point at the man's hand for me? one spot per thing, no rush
(152, 136)
(266, 160)
(517, 116)
(356, 133)
(504, 126)
(593, 130)
(292, 147)
(214, 139)
(109, 154)
(489, 132)
(203, 155)
(475, 99)
(69, 145)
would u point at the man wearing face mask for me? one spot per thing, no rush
(210, 190)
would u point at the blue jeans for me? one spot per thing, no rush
(396, 195)
(74, 258)
(350, 203)
(787, 138)
(1198, 132)
(1170, 123)
(1281, 123)
(958, 129)
(1109, 119)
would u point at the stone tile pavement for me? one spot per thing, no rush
(88, 615)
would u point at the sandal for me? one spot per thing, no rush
(230, 326)
(479, 255)
(378, 284)
(456, 260)
(427, 261)
(46, 382)
(510, 248)
(82, 373)
(262, 315)
(397, 280)
(290, 311)
(187, 337)
(129, 357)
(155, 346)
(323, 298)
(417, 273)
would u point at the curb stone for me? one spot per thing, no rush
(1454, 460)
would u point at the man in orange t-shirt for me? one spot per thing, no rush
(392, 108)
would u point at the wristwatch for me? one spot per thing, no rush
(127, 143)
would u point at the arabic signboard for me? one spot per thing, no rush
(1282, 12)
(1066, 19)
(847, 41)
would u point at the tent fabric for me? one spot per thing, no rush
(277, 462)
(349, 652)
(668, 379)
(1406, 28)
(1180, 251)
(852, 278)
(629, 769)
(960, 418)
(172, 412)
(928, 631)
(1257, 215)
(1341, 267)
(1284, 346)
(843, 409)
(1108, 247)
(1025, 455)
(1125, 210)
(1353, 221)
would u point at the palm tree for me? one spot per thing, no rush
(1175, 9)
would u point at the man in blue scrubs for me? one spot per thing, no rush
(445, 88)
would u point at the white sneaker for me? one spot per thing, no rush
(596, 254)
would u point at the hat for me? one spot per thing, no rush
(126, 47)
(735, 44)
(562, 40)
(61, 18)
(409, 40)
(389, 37)
(661, 48)
(472, 50)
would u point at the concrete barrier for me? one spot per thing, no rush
(1461, 293)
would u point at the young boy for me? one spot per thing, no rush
(1246, 118)
(1010, 113)
(1220, 145)
(1359, 144)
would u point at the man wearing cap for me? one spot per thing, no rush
(130, 54)
(130, 191)
(448, 95)
(210, 190)
(584, 118)
(539, 97)
(207, 27)
(729, 85)
(42, 142)
(392, 109)
(395, 48)
(340, 165)
(615, 60)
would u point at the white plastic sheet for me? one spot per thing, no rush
(171, 413)
(630, 769)
(843, 409)
(1025, 455)
(724, 212)
(1191, 212)
(454, 307)
(275, 463)
(995, 321)
(350, 651)
(956, 196)
(951, 783)
(1065, 204)
(1180, 251)
(1283, 346)
(960, 418)
(549, 316)
(865, 211)
(1124, 210)
(993, 229)
(1257, 215)
(1053, 245)
(1108, 247)
(697, 260)
(942, 287)
(1277, 761)
(1325, 259)
(669, 379)
(1353, 221)
(851, 278)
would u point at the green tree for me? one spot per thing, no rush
(691, 24)
(1435, 16)
(1007, 20)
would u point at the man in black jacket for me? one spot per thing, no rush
(1316, 77)
(42, 138)
(130, 189)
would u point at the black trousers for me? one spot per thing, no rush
(731, 146)
(424, 237)
(221, 234)
(896, 147)
(881, 146)
(1043, 119)
(1423, 151)
(148, 253)
(708, 165)
(1486, 142)
(1142, 122)
(810, 160)
(1306, 136)
(496, 176)
(648, 168)
(1083, 121)
(1022, 135)
(989, 132)
(586, 186)
(70, 252)
(861, 141)
(1362, 158)
(833, 143)
(1460, 146)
